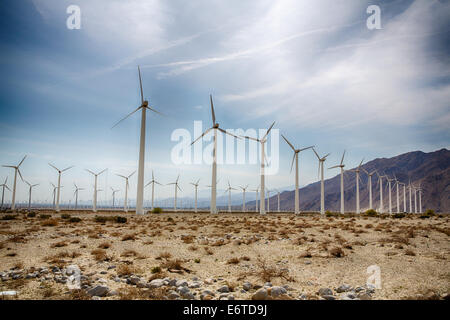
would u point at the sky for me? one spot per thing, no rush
(313, 67)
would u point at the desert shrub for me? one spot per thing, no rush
(44, 216)
(128, 237)
(74, 219)
(268, 272)
(9, 217)
(409, 252)
(331, 214)
(100, 255)
(233, 261)
(371, 213)
(337, 252)
(31, 214)
(197, 260)
(65, 216)
(424, 216)
(430, 212)
(100, 219)
(49, 223)
(120, 219)
(156, 269)
(399, 215)
(157, 210)
(104, 245)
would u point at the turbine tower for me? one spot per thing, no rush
(369, 183)
(243, 197)
(114, 196)
(16, 170)
(389, 187)
(404, 196)
(263, 163)
(152, 182)
(31, 186)
(59, 183)
(295, 157)
(278, 195)
(127, 185)
(3, 190)
(398, 196)
(380, 180)
(410, 197)
(140, 185)
(94, 200)
(415, 199)
(322, 186)
(229, 195)
(54, 194)
(176, 189)
(256, 202)
(215, 127)
(419, 189)
(268, 200)
(357, 170)
(76, 194)
(341, 165)
(196, 189)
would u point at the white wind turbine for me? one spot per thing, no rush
(229, 195)
(127, 185)
(59, 184)
(357, 170)
(243, 197)
(3, 190)
(380, 180)
(322, 185)
(94, 199)
(196, 189)
(176, 189)
(415, 199)
(278, 195)
(114, 196)
(410, 198)
(341, 166)
(76, 194)
(390, 198)
(31, 186)
(295, 157)
(140, 185)
(152, 182)
(419, 189)
(256, 202)
(369, 183)
(215, 127)
(404, 196)
(398, 195)
(262, 141)
(54, 194)
(16, 170)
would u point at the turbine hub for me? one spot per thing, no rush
(145, 103)
(216, 126)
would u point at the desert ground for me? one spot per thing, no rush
(225, 256)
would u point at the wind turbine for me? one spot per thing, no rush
(229, 195)
(369, 182)
(268, 200)
(54, 194)
(262, 141)
(357, 170)
(398, 196)
(76, 194)
(419, 189)
(3, 190)
(196, 188)
(415, 199)
(243, 197)
(59, 183)
(256, 202)
(94, 201)
(380, 180)
(31, 186)
(140, 185)
(278, 195)
(16, 170)
(176, 188)
(114, 196)
(215, 127)
(152, 182)
(322, 186)
(341, 165)
(295, 157)
(410, 198)
(125, 203)
(389, 187)
(404, 196)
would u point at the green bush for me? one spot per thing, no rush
(371, 213)
(9, 217)
(45, 216)
(120, 219)
(156, 270)
(424, 216)
(331, 214)
(74, 219)
(197, 260)
(65, 216)
(430, 212)
(157, 210)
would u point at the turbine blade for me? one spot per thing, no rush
(140, 84)
(132, 173)
(316, 154)
(125, 117)
(342, 160)
(226, 132)
(90, 171)
(203, 134)
(212, 110)
(53, 167)
(361, 163)
(290, 144)
(155, 111)
(334, 167)
(22, 161)
(326, 155)
(102, 171)
(267, 133)
(9, 166)
(292, 163)
(20, 174)
(303, 149)
(7, 188)
(67, 168)
(251, 138)
(121, 176)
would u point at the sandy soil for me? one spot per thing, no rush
(305, 252)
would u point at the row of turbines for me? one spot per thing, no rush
(213, 207)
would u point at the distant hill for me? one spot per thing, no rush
(431, 169)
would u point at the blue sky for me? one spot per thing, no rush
(311, 66)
